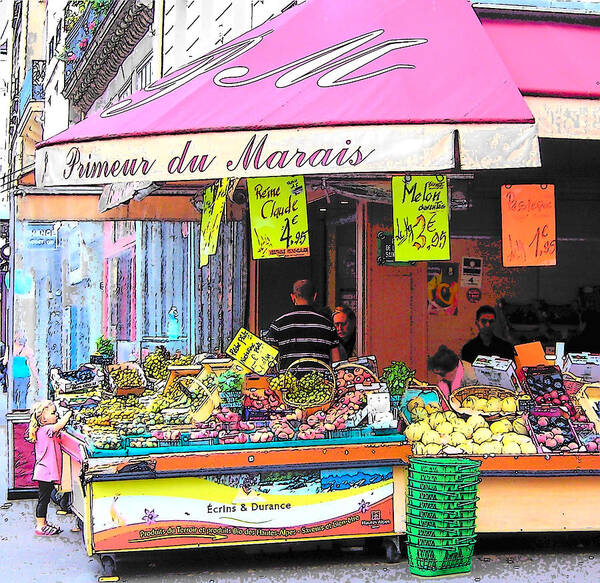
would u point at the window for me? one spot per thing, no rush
(58, 31)
(50, 49)
(144, 73)
(126, 90)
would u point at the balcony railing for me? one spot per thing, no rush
(80, 37)
(33, 85)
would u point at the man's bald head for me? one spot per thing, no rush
(303, 292)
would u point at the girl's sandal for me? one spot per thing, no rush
(47, 530)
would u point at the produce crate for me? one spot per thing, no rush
(62, 385)
(95, 452)
(101, 359)
(427, 474)
(588, 397)
(432, 562)
(556, 419)
(135, 390)
(350, 433)
(539, 381)
(428, 393)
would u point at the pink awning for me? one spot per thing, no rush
(327, 87)
(549, 58)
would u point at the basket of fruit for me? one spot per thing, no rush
(314, 387)
(126, 378)
(484, 400)
(553, 432)
(348, 375)
(546, 387)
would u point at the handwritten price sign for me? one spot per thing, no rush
(421, 231)
(278, 217)
(528, 225)
(252, 352)
(213, 205)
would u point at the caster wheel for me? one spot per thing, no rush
(392, 551)
(109, 569)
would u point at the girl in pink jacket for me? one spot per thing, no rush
(44, 430)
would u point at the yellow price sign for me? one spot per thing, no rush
(252, 352)
(213, 205)
(278, 217)
(421, 218)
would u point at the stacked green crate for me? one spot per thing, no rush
(441, 514)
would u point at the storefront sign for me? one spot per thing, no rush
(278, 217)
(471, 269)
(421, 226)
(252, 352)
(442, 288)
(42, 235)
(528, 225)
(213, 205)
(235, 508)
(385, 250)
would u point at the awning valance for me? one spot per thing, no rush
(325, 88)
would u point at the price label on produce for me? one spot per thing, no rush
(252, 352)
(421, 225)
(528, 225)
(278, 217)
(213, 205)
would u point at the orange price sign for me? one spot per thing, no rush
(528, 225)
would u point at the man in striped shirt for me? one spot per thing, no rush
(304, 332)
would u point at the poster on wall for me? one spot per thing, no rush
(421, 220)
(278, 217)
(442, 288)
(528, 225)
(235, 508)
(471, 269)
(213, 205)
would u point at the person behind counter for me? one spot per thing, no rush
(344, 320)
(454, 373)
(303, 332)
(486, 343)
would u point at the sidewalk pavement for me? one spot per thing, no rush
(564, 558)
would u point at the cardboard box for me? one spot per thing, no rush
(583, 365)
(496, 372)
(377, 403)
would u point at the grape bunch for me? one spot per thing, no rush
(155, 365)
(312, 389)
(126, 377)
(284, 382)
(182, 360)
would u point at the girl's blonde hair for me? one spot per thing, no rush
(34, 422)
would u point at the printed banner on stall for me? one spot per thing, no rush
(528, 225)
(442, 288)
(213, 205)
(233, 508)
(278, 217)
(252, 352)
(421, 225)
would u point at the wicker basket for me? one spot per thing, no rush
(351, 367)
(483, 392)
(309, 410)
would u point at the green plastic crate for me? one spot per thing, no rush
(442, 505)
(443, 478)
(460, 513)
(439, 521)
(440, 542)
(450, 496)
(425, 484)
(443, 465)
(442, 532)
(428, 562)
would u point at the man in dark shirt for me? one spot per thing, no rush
(303, 332)
(486, 343)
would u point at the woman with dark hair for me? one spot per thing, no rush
(344, 320)
(454, 373)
